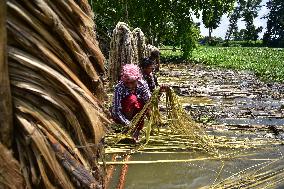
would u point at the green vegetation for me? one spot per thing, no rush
(274, 35)
(266, 63)
(171, 55)
(257, 43)
(162, 21)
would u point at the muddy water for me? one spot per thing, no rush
(229, 103)
(187, 175)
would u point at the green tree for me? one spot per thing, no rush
(250, 12)
(212, 11)
(234, 17)
(160, 20)
(239, 35)
(274, 35)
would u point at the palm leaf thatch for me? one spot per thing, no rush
(10, 174)
(55, 66)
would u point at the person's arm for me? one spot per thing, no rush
(116, 107)
(146, 94)
(155, 80)
(158, 63)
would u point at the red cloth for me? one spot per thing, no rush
(131, 105)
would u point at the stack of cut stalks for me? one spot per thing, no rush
(55, 66)
(121, 51)
(138, 42)
(126, 47)
(148, 49)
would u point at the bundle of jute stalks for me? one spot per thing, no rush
(175, 129)
(126, 47)
(55, 66)
(11, 176)
(178, 121)
(149, 49)
(121, 51)
(139, 44)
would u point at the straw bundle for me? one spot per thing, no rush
(126, 47)
(121, 51)
(138, 44)
(148, 49)
(183, 133)
(55, 66)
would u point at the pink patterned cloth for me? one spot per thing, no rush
(130, 72)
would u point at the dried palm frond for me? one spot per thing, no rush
(55, 66)
(10, 173)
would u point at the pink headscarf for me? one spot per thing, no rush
(130, 72)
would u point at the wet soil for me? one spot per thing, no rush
(227, 99)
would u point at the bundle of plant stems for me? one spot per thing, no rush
(148, 49)
(138, 42)
(180, 131)
(55, 65)
(178, 121)
(121, 51)
(10, 176)
(126, 47)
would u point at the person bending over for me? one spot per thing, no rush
(130, 95)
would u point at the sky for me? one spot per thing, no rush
(222, 29)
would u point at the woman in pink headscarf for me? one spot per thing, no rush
(130, 95)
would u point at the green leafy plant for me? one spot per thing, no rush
(267, 63)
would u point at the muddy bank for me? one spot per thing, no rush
(225, 98)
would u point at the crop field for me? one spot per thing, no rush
(266, 63)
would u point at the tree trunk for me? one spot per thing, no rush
(6, 125)
(210, 38)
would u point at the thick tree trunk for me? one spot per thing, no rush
(6, 125)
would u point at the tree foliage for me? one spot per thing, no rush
(160, 20)
(234, 17)
(250, 12)
(212, 11)
(274, 36)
